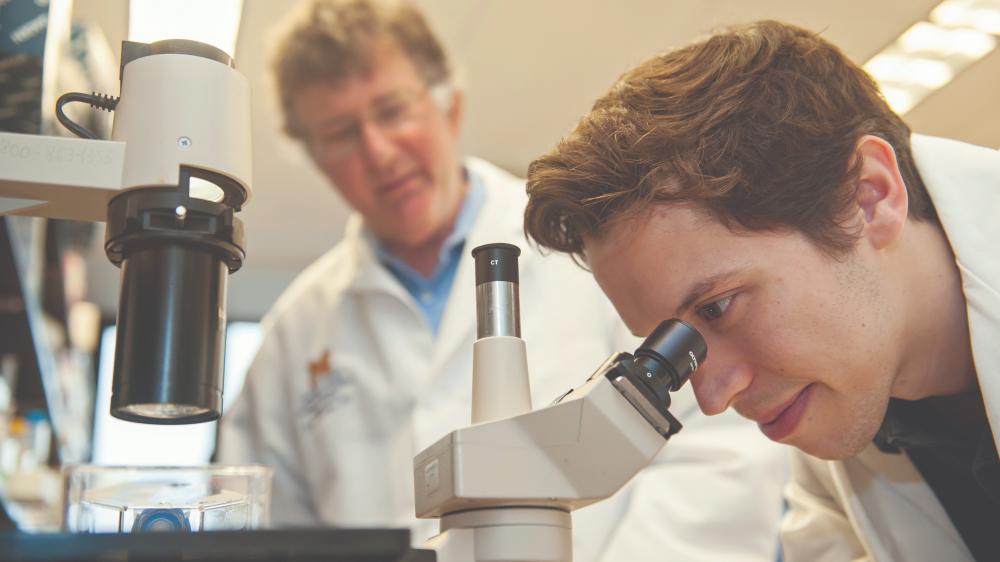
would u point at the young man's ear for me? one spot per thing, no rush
(881, 196)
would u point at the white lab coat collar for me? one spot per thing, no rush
(496, 223)
(962, 180)
(368, 273)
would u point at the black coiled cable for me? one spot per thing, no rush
(98, 101)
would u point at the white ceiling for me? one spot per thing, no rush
(531, 69)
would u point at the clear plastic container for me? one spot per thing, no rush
(122, 499)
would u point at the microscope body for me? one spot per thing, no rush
(504, 487)
(567, 455)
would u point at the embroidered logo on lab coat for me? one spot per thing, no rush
(327, 387)
(319, 369)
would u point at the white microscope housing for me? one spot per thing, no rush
(505, 486)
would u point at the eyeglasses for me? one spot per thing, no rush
(391, 114)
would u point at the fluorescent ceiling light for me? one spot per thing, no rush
(982, 15)
(928, 56)
(900, 100)
(903, 69)
(925, 37)
(215, 22)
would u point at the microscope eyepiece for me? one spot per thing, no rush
(496, 262)
(672, 352)
(497, 300)
(660, 365)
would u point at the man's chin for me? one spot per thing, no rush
(407, 235)
(830, 448)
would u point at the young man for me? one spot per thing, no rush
(845, 276)
(367, 358)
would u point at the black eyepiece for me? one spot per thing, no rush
(672, 352)
(498, 307)
(496, 262)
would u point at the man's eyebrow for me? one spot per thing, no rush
(337, 122)
(390, 96)
(699, 289)
(342, 121)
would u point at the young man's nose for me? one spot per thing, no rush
(719, 381)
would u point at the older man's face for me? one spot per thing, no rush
(805, 345)
(386, 146)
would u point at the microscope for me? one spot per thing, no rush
(177, 168)
(168, 184)
(504, 487)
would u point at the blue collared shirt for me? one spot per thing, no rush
(431, 294)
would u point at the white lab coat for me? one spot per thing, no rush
(342, 440)
(876, 507)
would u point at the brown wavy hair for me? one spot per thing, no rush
(756, 125)
(326, 41)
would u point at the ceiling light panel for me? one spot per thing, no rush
(928, 55)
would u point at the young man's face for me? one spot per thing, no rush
(805, 345)
(387, 147)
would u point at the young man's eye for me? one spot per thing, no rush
(715, 309)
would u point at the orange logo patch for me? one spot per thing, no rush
(320, 368)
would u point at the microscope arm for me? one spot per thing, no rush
(577, 451)
(59, 177)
